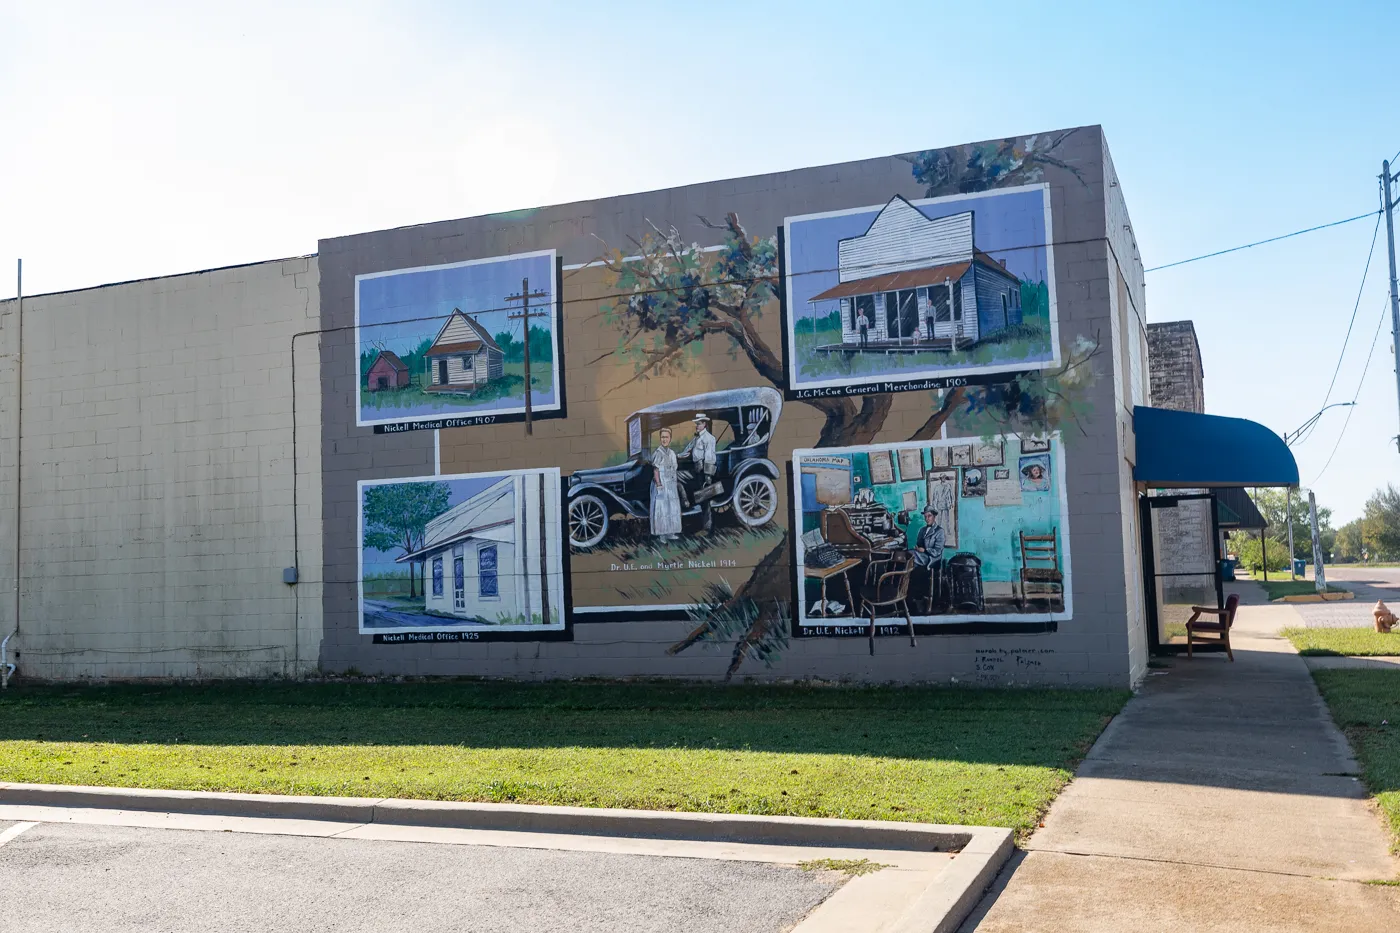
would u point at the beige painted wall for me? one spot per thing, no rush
(157, 509)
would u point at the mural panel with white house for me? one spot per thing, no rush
(449, 341)
(473, 552)
(903, 295)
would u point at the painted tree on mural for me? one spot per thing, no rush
(981, 166)
(397, 515)
(674, 295)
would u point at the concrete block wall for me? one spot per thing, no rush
(158, 485)
(1100, 645)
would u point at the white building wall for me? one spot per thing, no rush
(158, 486)
(902, 238)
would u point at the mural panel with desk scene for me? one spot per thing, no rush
(932, 533)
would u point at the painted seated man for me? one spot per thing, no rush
(928, 552)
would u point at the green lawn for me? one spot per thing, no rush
(1279, 588)
(1343, 641)
(947, 755)
(1366, 705)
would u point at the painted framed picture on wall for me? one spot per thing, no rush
(911, 464)
(464, 557)
(987, 455)
(961, 455)
(978, 515)
(939, 457)
(1035, 445)
(444, 346)
(974, 484)
(881, 467)
(943, 496)
(911, 294)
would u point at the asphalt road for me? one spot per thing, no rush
(57, 877)
(1368, 583)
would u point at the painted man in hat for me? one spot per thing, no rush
(928, 552)
(701, 451)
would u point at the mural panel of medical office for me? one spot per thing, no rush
(1001, 548)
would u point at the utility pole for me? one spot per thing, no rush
(524, 317)
(1388, 204)
(1319, 575)
(1292, 554)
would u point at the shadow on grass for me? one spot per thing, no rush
(1030, 727)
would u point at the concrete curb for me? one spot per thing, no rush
(1316, 597)
(585, 821)
(944, 903)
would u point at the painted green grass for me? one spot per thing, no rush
(1365, 704)
(1025, 342)
(947, 755)
(1343, 641)
(511, 385)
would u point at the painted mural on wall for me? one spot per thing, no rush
(696, 492)
(448, 342)
(905, 295)
(461, 554)
(942, 532)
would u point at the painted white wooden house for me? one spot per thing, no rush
(920, 281)
(463, 356)
(484, 556)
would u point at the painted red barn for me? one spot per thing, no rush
(387, 372)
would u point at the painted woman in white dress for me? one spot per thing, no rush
(665, 496)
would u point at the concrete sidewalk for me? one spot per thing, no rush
(1222, 798)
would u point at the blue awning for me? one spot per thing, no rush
(1181, 449)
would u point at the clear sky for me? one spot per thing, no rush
(141, 139)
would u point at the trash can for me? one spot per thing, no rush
(1300, 568)
(1227, 568)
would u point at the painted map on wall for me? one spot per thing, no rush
(987, 541)
(891, 297)
(449, 341)
(479, 551)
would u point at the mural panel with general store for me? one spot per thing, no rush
(921, 289)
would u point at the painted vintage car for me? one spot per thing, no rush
(745, 481)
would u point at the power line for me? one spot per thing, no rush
(1272, 239)
(1365, 273)
(1361, 382)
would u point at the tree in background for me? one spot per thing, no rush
(1273, 505)
(1250, 552)
(541, 346)
(396, 516)
(1380, 524)
(1349, 541)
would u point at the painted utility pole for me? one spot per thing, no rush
(1388, 204)
(1319, 575)
(524, 317)
(1292, 554)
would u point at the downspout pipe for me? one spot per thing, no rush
(7, 667)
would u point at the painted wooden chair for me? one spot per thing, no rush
(1218, 631)
(1040, 568)
(890, 590)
